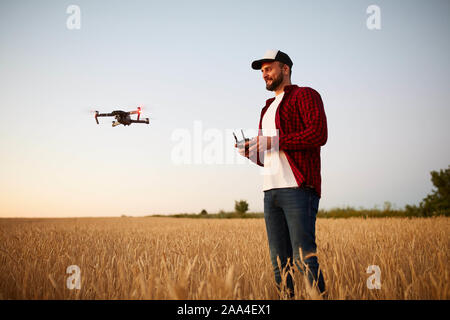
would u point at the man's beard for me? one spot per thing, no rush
(275, 82)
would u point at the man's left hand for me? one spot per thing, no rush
(262, 143)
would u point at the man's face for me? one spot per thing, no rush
(272, 75)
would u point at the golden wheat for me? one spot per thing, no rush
(168, 258)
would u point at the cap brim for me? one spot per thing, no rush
(257, 64)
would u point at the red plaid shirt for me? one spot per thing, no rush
(302, 126)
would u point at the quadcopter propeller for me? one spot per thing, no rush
(139, 110)
(91, 111)
(94, 112)
(96, 115)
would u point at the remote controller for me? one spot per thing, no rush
(241, 143)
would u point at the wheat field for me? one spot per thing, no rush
(169, 258)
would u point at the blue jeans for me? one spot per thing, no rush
(290, 215)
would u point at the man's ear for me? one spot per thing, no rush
(286, 69)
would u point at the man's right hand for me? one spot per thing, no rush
(243, 148)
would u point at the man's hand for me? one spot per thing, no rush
(257, 144)
(260, 144)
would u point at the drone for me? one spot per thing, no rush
(122, 117)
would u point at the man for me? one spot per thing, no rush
(292, 129)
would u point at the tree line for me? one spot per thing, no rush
(437, 203)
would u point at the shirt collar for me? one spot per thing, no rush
(287, 89)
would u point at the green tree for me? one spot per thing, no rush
(438, 202)
(203, 212)
(241, 206)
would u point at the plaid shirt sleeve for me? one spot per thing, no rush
(314, 131)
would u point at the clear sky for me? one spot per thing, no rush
(386, 96)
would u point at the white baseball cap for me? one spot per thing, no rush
(272, 55)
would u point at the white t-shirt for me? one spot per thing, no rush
(277, 171)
